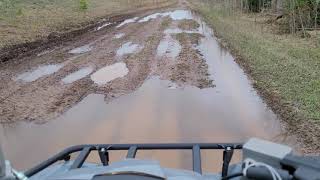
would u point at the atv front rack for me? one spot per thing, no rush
(103, 151)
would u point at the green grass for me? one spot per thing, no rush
(284, 64)
(29, 20)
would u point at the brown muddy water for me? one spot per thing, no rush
(158, 112)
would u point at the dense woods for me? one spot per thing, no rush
(295, 15)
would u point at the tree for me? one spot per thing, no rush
(277, 6)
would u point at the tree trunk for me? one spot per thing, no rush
(316, 16)
(277, 6)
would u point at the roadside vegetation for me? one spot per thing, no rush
(25, 21)
(282, 56)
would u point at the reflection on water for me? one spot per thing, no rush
(80, 50)
(129, 48)
(103, 26)
(120, 35)
(174, 15)
(132, 20)
(230, 112)
(109, 73)
(169, 47)
(75, 76)
(178, 30)
(152, 114)
(39, 72)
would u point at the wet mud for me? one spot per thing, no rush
(157, 78)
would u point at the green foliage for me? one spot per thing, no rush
(83, 4)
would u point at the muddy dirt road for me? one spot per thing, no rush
(155, 77)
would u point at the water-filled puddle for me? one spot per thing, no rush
(174, 15)
(120, 35)
(172, 86)
(39, 72)
(129, 48)
(150, 17)
(80, 50)
(169, 47)
(127, 21)
(82, 73)
(180, 15)
(103, 26)
(152, 114)
(155, 113)
(177, 31)
(109, 73)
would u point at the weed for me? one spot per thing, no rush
(83, 4)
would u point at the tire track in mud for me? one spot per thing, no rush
(46, 97)
(147, 111)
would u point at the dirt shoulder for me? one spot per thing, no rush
(284, 69)
(59, 21)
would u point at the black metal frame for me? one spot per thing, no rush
(103, 150)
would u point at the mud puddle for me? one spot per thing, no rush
(132, 20)
(39, 72)
(158, 112)
(174, 15)
(82, 73)
(169, 47)
(120, 35)
(129, 48)
(152, 114)
(80, 50)
(110, 73)
(103, 26)
(177, 31)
